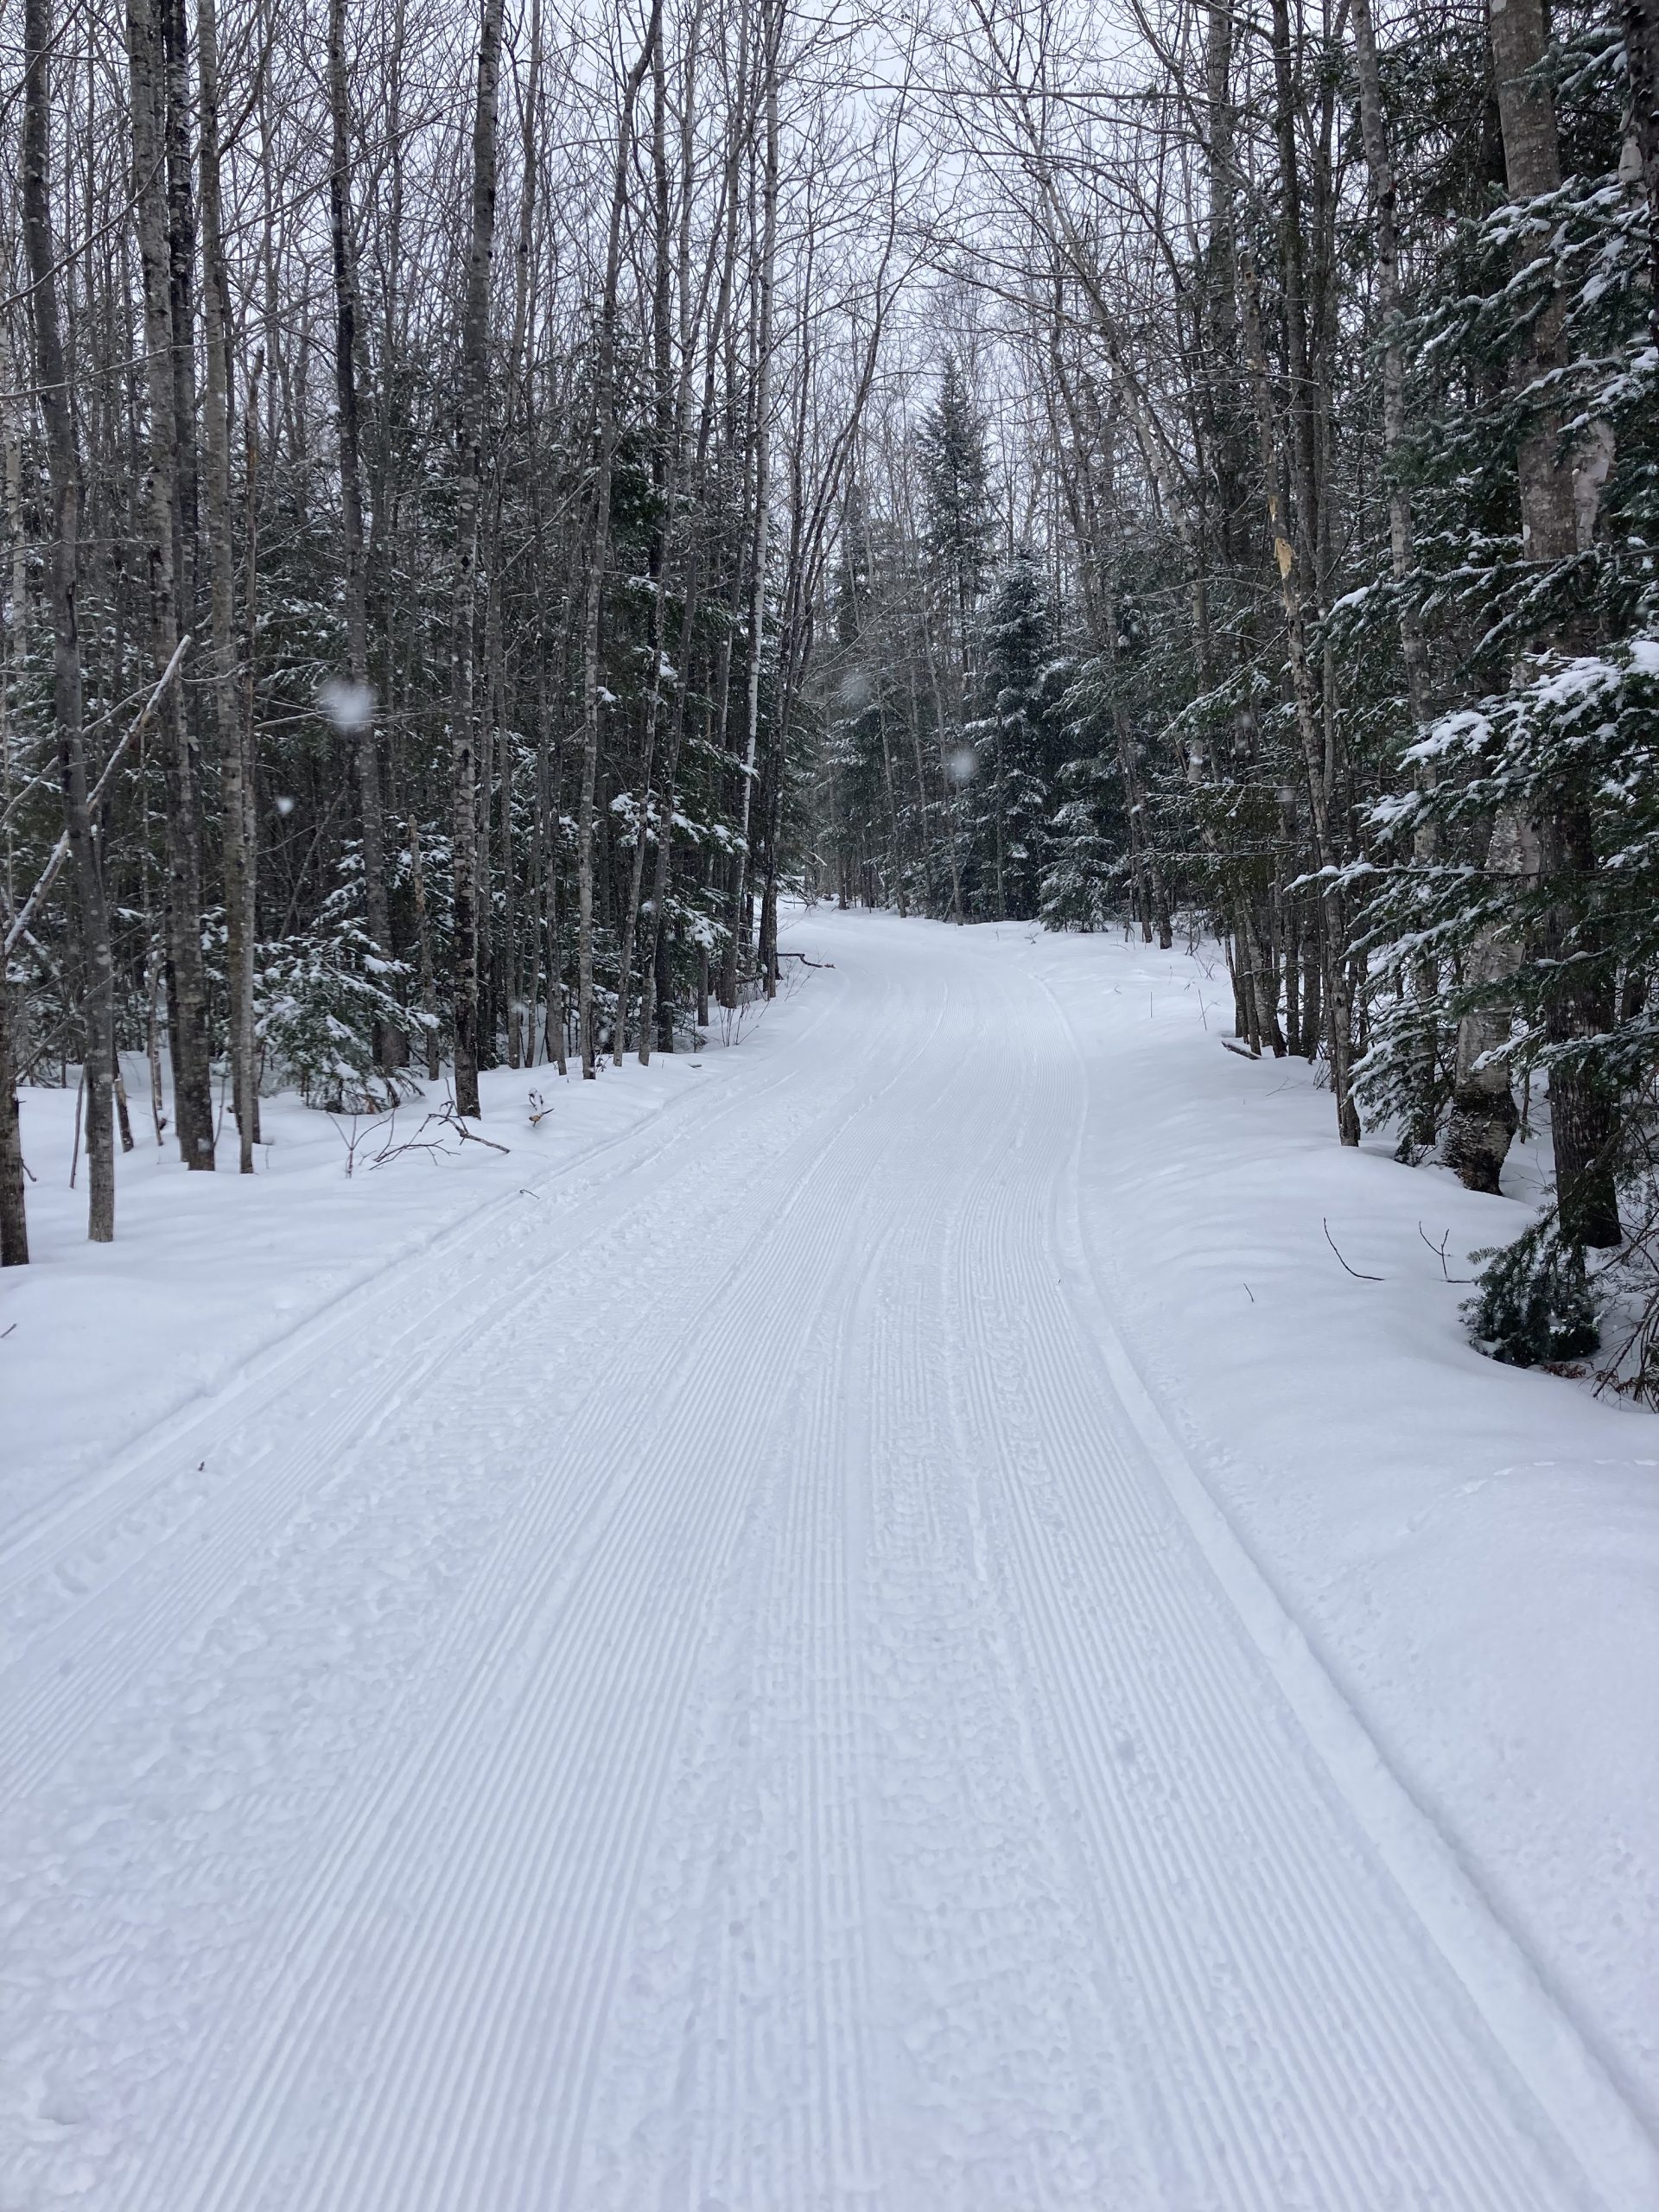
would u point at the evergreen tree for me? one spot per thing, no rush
(956, 485)
(1083, 883)
(1014, 739)
(1519, 859)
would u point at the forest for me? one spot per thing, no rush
(498, 500)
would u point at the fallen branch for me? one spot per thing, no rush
(452, 1120)
(805, 961)
(1355, 1272)
(434, 1147)
(1243, 1051)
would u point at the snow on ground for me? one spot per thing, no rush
(1474, 1549)
(875, 1622)
(209, 1272)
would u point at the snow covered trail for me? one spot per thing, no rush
(718, 1694)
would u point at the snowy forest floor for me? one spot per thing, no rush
(870, 1620)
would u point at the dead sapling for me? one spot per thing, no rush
(1355, 1272)
(1439, 1250)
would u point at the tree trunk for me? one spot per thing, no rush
(14, 408)
(423, 941)
(63, 570)
(1298, 538)
(1483, 1116)
(665, 472)
(357, 716)
(222, 688)
(766, 276)
(1583, 1107)
(1520, 44)
(14, 1218)
(1642, 57)
(186, 1029)
(489, 752)
(605, 434)
(1414, 644)
(1582, 1119)
(1291, 561)
(177, 109)
(247, 832)
(474, 405)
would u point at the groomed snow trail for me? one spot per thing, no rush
(705, 1695)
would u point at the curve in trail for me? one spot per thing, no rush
(727, 1698)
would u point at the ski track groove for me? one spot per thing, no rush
(1557, 2078)
(53, 1542)
(1219, 2089)
(801, 1540)
(949, 1897)
(43, 1698)
(140, 1700)
(486, 1797)
(488, 1603)
(812, 1544)
(1099, 1535)
(750, 1422)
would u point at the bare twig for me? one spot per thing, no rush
(1439, 1250)
(1355, 1272)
